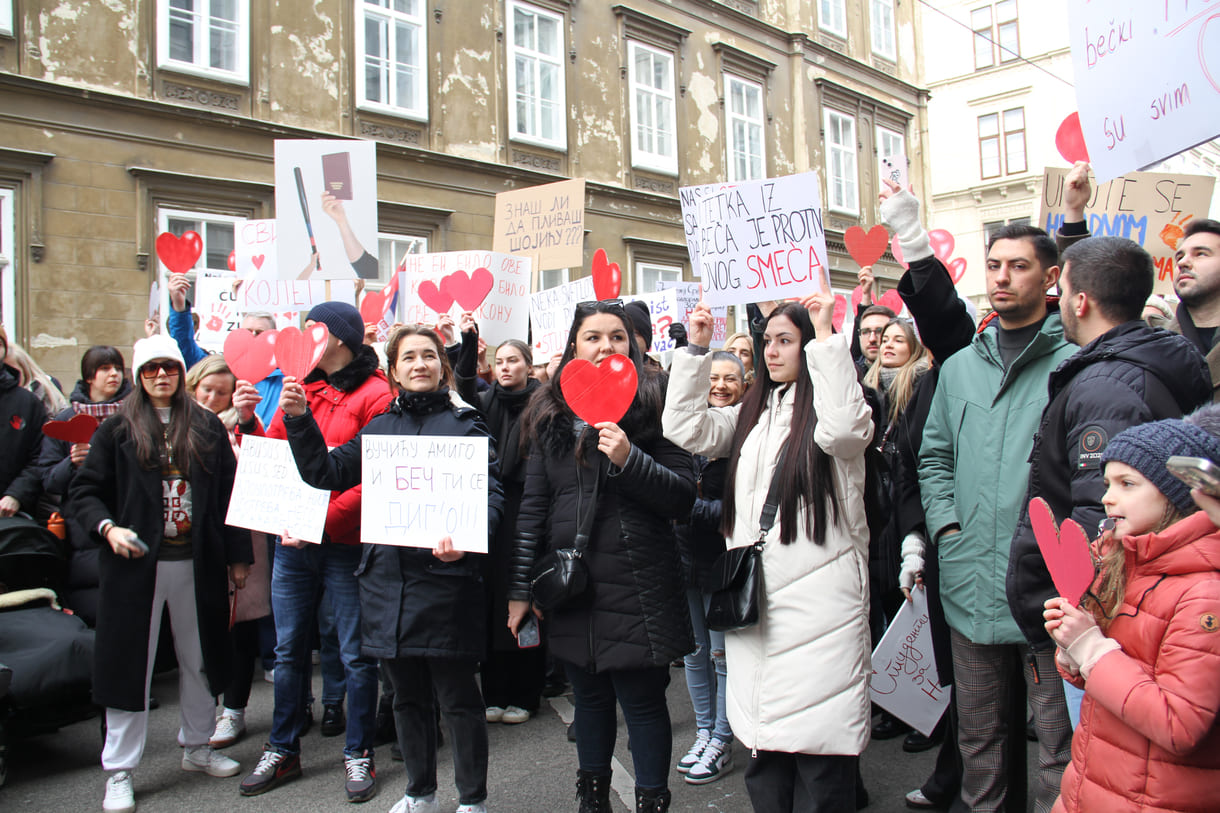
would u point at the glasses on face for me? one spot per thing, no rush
(154, 368)
(871, 331)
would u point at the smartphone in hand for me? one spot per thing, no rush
(1196, 472)
(528, 635)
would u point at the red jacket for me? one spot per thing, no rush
(342, 404)
(1148, 739)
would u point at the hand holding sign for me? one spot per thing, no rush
(179, 254)
(607, 279)
(599, 393)
(77, 429)
(1064, 549)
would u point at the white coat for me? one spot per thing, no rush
(798, 680)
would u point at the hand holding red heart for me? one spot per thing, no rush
(1064, 622)
(292, 398)
(865, 277)
(78, 453)
(245, 399)
(178, 286)
(612, 442)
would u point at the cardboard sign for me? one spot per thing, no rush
(1147, 80)
(544, 222)
(217, 307)
(290, 296)
(904, 680)
(551, 314)
(688, 294)
(758, 240)
(419, 488)
(254, 254)
(269, 494)
(1148, 207)
(456, 276)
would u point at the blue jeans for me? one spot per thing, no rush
(1074, 698)
(641, 694)
(334, 677)
(297, 582)
(706, 677)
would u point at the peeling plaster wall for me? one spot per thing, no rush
(303, 51)
(59, 35)
(464, 67)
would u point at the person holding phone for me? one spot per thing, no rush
(154, 490)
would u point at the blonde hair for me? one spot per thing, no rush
(1105, 597)
(36, 380)
(900, 391)
(213, 364)
(749, 368)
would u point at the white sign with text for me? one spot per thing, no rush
(270, 496)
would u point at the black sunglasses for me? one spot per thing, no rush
(601, 306)
(154, 368)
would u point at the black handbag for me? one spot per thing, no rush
(561, 575)
(737, 575)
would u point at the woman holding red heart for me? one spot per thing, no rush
(627, 484)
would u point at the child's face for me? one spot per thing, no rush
(1137, 506)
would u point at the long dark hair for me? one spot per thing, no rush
(547, 418)
(807, 481)
(184, 434)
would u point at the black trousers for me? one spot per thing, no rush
(801, 783)
(514, 678)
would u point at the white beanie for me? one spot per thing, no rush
(159, 346)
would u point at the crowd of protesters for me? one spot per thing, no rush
(864, 467)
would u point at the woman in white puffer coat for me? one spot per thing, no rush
(798, 680)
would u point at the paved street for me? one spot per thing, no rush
(533, 768)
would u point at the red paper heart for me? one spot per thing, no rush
(250, 358)
(435, 298)
(957, 269)
(892, 300)
(232, 260)
(866, 247)
(840, 312)
(179, 254)
(372, 308)
(1064, 549)
(857, 296)
(599, 393)
(607, 280)
(942, 244)
(297, 353)
(468, 291)
(896, 250)
(77, 429)
(1069, 140)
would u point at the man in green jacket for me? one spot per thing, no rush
(974, 467)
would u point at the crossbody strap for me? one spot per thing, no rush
(585, 522)
(772, 505)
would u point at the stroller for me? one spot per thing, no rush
(46, 654)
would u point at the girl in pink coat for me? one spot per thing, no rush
(1145, 641)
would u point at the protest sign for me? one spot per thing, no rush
(551, 314)
(494, 286)
(688, 294)
(663, 310)
(419, 488)
(758, 240)
(292, 295)
(546, 223)
(1148, 207)
(1147, 80)
(904, 680)
(269, 495)
(216, 306)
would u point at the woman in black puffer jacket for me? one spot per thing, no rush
(618, 638)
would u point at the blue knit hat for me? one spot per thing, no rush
(342, 320)
(1147, 447)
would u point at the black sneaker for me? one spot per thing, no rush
(361, 777)
(333, 721)
(274, 768)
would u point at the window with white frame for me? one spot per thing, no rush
(536, 76)
(205, 37)
(1002, 143)
(553, 277)
(842, 178)
(8, 261)
(647, 275)
(995, 33)
(744, 113)
(391, 248)
(883, 29)
(391, 41)
(217, 232)
(889, 144)
(832, 16)
(653, 117)
(6, 17)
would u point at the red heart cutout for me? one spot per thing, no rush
(179, 254)
(896, 250)
(957, 269)
(857, 296)
(232, 260)
(435, 298)
(607, 280)
(372, 308)
(1069, 140)
(77, 429)
(468, 291)
(840, 312)
(250, 358)
(297, 353)
(866, 247)
(598, 393)
(1064, 549)
(892, 300)
(942, 244)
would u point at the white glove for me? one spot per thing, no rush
(900, 212)
(1065, 660)
(1090, 647)
(912, 559)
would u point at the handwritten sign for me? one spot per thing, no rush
(1147, 80)
(502, 314)
(904, 680)
(419, 488)
(269, 494)
(1148, 207)
(663, 311)
(758, 240)
(544, 222)
(551, 314)
(688, 294)
(216, 306)
(254, 249)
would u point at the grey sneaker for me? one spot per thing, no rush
(361, 777)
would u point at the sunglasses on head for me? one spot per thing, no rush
(601, 306)
(154, 368)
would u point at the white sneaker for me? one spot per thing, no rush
(203, 758)
(692, 756)
(414, 804)
(513, 715)
(230, 727)
(478, 807)
(269, 675)
(494, 714)
(120, 796)
(715, 761)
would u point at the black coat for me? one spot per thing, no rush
(411, 603)
(703, 531)
(1129, 375)
(21, 418)
(634, 614)
(113, 485)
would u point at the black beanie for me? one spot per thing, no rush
(637, 312)
(342, 320)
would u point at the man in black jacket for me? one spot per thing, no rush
(1198, 286)
(1126, 373)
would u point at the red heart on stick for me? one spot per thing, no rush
(607, 280)
(297, 353)
(179, 254)
(866, 247)
(1064, 549)
(373, 306)
(598, 393)
(957, 269)
(77, 429)
(468, 291)
(250, 358)
(892, 300)
(1069, 140)
(435, 298)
